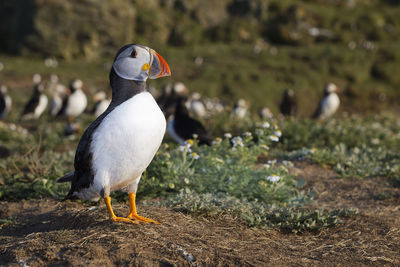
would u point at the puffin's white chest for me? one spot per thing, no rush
(7, 108)
(126, 141)
(198, 109)
(55, 105)
(330, 104)
(77, 103)
(101, 107)
(41, 106)
(240, 112)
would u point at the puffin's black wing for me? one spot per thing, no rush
(288, 106)
(317, 112)
(83, 175)
(2, 104)
(185, 127)
(32, 103)
(63, 106)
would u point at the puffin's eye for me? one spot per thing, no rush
(134, 53)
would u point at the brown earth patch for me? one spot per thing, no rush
(49, 233)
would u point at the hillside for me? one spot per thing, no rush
(230, 49)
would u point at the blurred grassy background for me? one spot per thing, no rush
(248, 49)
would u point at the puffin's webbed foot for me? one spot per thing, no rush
(114, 218)
(141, 219)
(123, 219)
(133, 213)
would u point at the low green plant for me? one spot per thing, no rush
(354, 146)
(354, 131)
(227, 178)
(229, 165)
(361, 161)
(290, 217)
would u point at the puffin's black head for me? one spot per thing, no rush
(137, 62)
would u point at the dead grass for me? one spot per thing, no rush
(51, 233)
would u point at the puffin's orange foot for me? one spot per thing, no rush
(142, 219)
(122, 219)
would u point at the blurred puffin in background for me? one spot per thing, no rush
(265, 113)
(196, 105)
(329, 104)
(75, 103)
(59, 94)
(288, 106)
(5, 102)
(240, 109)
(169, 96)
(182, 127)
(38, 101)
(101, 103)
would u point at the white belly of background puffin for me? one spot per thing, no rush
(77, 103)
(124, 145)
(41, 106)
(330, 104)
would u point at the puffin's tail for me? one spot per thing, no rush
(66, 178)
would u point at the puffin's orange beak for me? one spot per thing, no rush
(159, 67)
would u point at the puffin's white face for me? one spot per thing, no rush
(77, 84)
(179, 88)
(54, 78)
(99, 96)
(37, 78)
(330, 88)
(139, 62)
(3, 89)
(242, 103)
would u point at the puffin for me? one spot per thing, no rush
(265, 113)
(329, 104)
(240, 109)
(288, 106)
(36, 78)
(118, 146)
(5, 102)
(101, 103)
(169, 97)
(72, 128)
(214, 105)
(182, 127)
(196, 105)
(59, 94)
(52, 83)
(75, 103)
(36, 104)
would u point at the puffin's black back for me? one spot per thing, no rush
(2, 103)
(33, 102)
(185, 126)
(288, 106)
(63, 106)
(122, 90)
(318, 111)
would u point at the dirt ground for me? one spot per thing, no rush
(49, 233)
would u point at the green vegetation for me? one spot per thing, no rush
(239, 177)
(355, 147)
